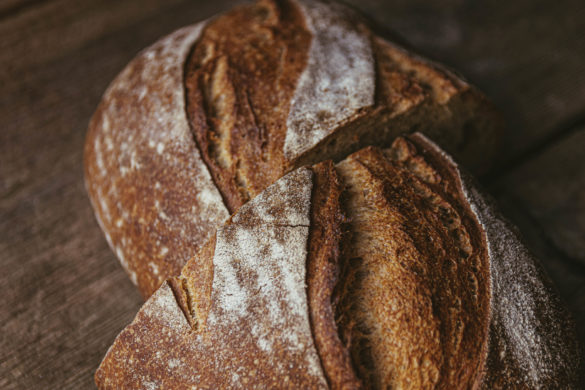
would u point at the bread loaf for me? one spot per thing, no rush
(206, 118)
(387, 270)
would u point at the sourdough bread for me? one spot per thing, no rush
(206, 118)
(387, 270)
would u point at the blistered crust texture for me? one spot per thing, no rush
(323, 276)
(152, 194)
(240, 78)
(414, 298)
(257, 332)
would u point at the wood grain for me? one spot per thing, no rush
(51, 29)
(64, 295)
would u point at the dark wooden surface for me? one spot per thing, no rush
(64, 296)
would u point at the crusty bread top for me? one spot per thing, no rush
(263, 89)
(286, 76)
(290, 76)
(323, 276)
(501, 324)
(411, 279)
(141, 165)
(257, 328)
(338, 81)
(239, 87)
(415, 293)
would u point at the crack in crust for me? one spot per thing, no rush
(193, 287)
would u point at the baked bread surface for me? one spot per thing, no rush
(152, 195)
(387, 270)
(206, 118)
(415, 297)
(256, 330)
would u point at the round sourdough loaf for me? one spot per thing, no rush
(207, 117)
(386, 270)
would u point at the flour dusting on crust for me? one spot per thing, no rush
(149, 186)
(258, 332)
(163, 306)
(524, 312)
(338, 81)
(259, 280)
(269, 208)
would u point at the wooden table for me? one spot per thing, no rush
(64, 296)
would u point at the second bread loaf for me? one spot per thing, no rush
(387, 270)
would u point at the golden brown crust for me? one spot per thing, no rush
(414, 94)
(323, 275)
(237, 96)
(416, 293)
(242, 319)
(396, 89)
(239, 87)
(401, 70)
(150, 190)
(532, 339)
(434, 290)
(192, 288)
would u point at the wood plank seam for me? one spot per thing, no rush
(562, 131)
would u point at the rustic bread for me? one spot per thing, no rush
(387, 270)
(206, 118)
